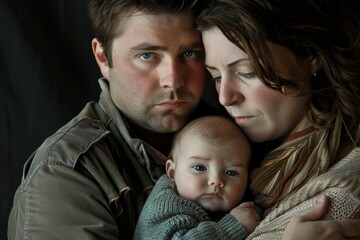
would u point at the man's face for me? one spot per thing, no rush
(157, 77)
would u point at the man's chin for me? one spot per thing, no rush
(173, 122)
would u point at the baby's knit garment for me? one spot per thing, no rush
(166, 215)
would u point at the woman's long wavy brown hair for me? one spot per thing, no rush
(326, 29)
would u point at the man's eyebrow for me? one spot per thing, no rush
(192, 46)
(151, 47)
(230, 64)
(148, 47)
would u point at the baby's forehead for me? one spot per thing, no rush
(216, 146)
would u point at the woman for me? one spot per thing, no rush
(288, 72)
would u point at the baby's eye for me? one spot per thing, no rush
(199, 168)
(147, 56)
(232, 173)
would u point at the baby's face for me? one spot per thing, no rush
(213, 175)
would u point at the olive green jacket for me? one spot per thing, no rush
(87, 181)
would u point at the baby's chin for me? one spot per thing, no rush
(214, 206)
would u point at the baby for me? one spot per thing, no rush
(199, 197)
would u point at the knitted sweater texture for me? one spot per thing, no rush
(341, 183)
(166, 215)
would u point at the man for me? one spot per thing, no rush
(91, 178)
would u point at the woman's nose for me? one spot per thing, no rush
(229, 93)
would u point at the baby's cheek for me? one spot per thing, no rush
(234, 198)
(190, 191)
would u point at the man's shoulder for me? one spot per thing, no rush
(73, 139)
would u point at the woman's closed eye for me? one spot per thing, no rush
(216, 79)
(246, 75)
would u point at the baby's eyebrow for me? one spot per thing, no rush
(199, 158)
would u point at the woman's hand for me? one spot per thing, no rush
(308, 226)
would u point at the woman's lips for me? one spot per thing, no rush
(243, 120)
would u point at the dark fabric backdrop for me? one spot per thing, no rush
(47, 74)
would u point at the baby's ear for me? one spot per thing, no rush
(170, 168)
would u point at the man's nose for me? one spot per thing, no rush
(171, 75)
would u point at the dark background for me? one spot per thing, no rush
(47, 74)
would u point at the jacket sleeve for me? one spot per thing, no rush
(166, 215)
(56, 202)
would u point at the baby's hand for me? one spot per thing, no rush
(246, 214)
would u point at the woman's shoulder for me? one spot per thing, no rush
(351, 161)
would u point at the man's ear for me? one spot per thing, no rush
(100, 58)
(170, 168)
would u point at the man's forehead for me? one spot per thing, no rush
(161, 20)
(148, 32)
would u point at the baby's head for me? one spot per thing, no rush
(209, 163)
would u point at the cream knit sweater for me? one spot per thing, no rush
(341, 183)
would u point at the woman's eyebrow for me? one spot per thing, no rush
(230, 64)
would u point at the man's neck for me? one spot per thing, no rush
(160, 141)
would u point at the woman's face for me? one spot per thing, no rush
(263, 113)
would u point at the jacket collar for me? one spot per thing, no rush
(147, 156)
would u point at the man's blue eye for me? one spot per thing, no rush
(189, 54)
(146, 56)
